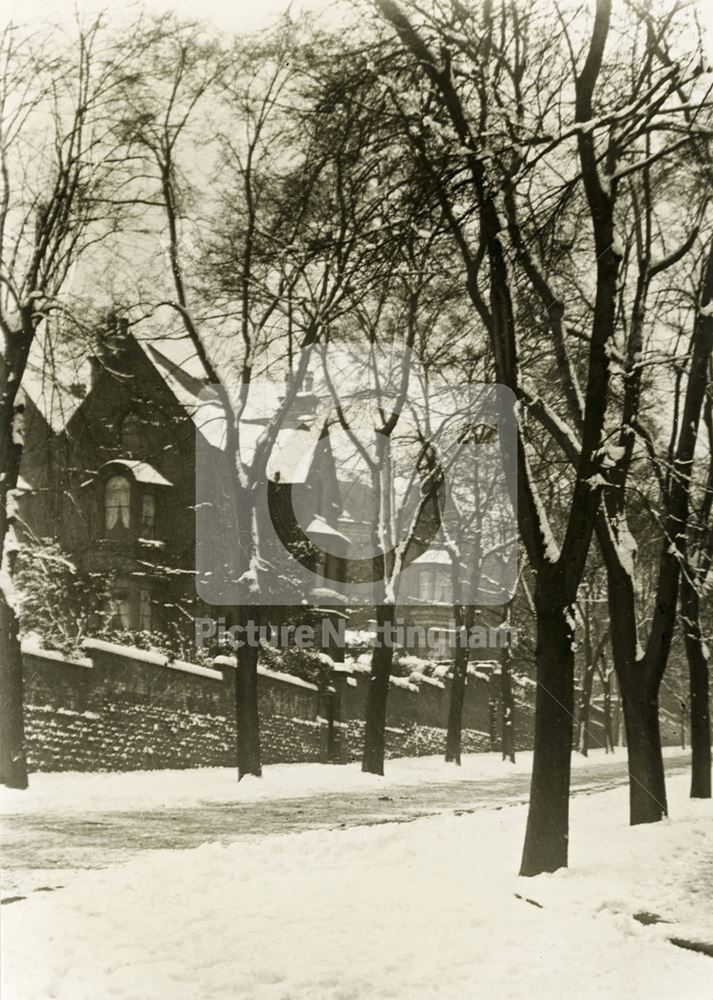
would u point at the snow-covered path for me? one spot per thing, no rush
(428, 910)
(70, 822)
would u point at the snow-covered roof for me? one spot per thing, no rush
(293, 451)
(141, 471)
(57, 375)
(320, 528)
(432, 557)
(177, 363)
(52, 378)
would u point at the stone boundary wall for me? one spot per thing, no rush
(123, 708)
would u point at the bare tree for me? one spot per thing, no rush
(694, 587)
(61, 197)
(593, 646)
(286, 250)
(502, 249)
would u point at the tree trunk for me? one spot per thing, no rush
(377, 695)
(455, 707)
(492, 723)
(458, 684)
(585, 701)
(647, 783)
(248, 617)
(547, 831)
(584, 712)
(699, 691)
(638, 690)
(605, 675)
(246, 710)
(13, 766)
(247, 717)
(507, 707)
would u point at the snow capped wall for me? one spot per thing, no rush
(122, 708)
(129, 709)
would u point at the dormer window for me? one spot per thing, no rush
(129, 500)
(130, 432)
(117, 503)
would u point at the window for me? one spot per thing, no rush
(148, 515)
(426, 585)
(117, 503)
(145, 610)
(121, 610)
(441, 587)
(131, 434)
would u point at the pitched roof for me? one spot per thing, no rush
(55, 374)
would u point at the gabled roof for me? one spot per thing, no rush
(52, 372)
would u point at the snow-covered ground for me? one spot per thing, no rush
(75, 792)
(425, 910)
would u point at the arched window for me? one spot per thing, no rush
(131, 434)
(117, 503)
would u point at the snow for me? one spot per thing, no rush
(152, 543)
(358, 637)
(141, 471)
(617, 247)
(133, 652)
(419, 678)
(404, 683)
(33, 647)
(193, 668)
(82, 792)
(145, 655)
(278, 675)
(596, 481)
(551, 549)
(430, 909)
(286, 678)
(625, 544)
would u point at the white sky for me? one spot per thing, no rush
(227, 15)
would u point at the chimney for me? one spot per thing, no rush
(95, 370)
(111, 346)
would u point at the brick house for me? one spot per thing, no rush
(109, 467)
(109, 471)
